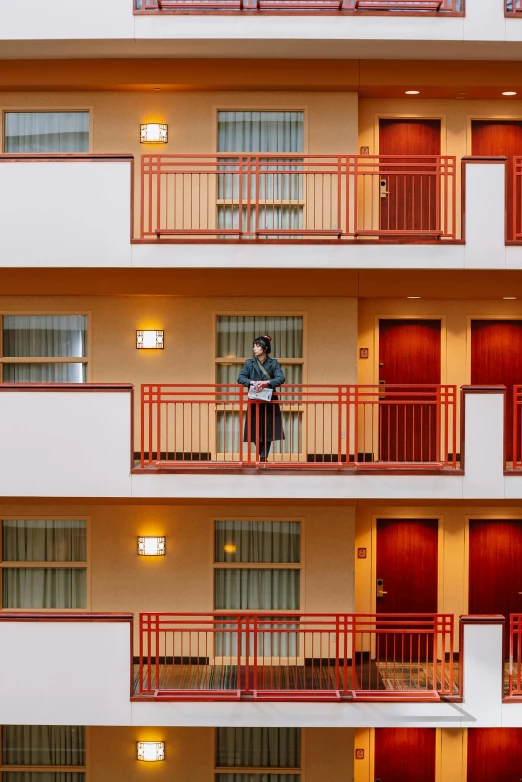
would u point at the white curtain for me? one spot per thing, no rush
(43, 745)
(42, 336)
(258, 747)
(60, 776)
(46, 131)
(236, 333)
(252, 589)
(44, 541)
(258, 541)
(44, 373)
(274, 182)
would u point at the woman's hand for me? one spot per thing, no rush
(260, 384)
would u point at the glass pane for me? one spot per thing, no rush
(46, 131)
(43, 745)
(233, 777)
(32, 540)
(227, 373)
(42, 336)
(256, 590)
(257, 541)
(39, 588)
(236, 333)
(44, 776)
(260, 131)
(258, 747)
(44, 373)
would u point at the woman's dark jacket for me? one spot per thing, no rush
(270, 424)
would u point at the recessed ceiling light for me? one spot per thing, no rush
(509, 93)
(509, 298)
(462, 93)
(411, 92)
(157, 89)
(413, 297)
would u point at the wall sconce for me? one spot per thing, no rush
(151, 340)
(152, 547)
(154, 133)
(150, 751)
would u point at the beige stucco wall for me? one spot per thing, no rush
(327, 754)
(182, 581)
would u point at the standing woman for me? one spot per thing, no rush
(263, 372)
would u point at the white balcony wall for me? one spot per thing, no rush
(65, 443)
(78, 673)
(65, 673)
(72, 213)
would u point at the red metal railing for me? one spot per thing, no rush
(515, 656)
(224, 656)
(517, 428)
(514, 229)
(346, 6)
(380, 426)
(234, 197)
(513, 7)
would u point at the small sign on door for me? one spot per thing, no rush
(361, 553)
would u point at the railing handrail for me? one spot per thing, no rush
(356, 7)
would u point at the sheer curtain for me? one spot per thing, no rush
(46, 131)
(257, 132)
(70, 776)
(258, 748)
(44, 541)
(42, 336)
(236, 333)
(43, 745)
(257, 541)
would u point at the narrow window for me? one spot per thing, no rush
(46, 132)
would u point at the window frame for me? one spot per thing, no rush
(58, 769)
(240, 360)
(46, 359)
(48, 565)
(297, 770)
(47, 110)
(261, 565)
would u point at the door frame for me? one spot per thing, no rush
(469, 319)
(413, 116)
(443, 342)
(440, 551)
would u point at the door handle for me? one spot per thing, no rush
(384, 192)
(380, 588)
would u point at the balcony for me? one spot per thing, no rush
(318, 427)
(296, 657)
(512, 7)
(413, 7)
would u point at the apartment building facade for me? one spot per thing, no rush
(178, 178)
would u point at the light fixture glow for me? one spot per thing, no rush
(150, 340)
(230, 548)
(509, 298)
(412, 92)
(152, 547)
(413, 297)
(509, 93)
(154, 133)
(150, 751)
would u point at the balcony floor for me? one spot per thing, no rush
(370, 676)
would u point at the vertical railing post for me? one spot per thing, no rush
(439, 402)
(516, 391)
(141, 631)
(241, 411)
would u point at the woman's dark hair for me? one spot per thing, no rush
(264, 342)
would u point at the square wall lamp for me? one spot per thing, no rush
(154, 133)
(150, 751)
(152, 547)
(150, 340)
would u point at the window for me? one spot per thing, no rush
(46, 132)
(43, 753)
(258, 754)
(276, 199)
(275, 584)
(235, 335)
(44, 349)
(43, 564)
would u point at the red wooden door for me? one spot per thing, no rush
(494, 755)
(409, 201)
(496, 358)
(495, 576)
(499, 137)
(409, 353)
(407, 556)
(404, 755)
